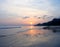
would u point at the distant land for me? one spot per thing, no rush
(54, 22)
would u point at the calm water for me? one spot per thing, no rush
(29, 36)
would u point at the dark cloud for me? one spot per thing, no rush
(25, 17)
(39, 17)
(35, 16)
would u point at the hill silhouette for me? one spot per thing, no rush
(54, 22)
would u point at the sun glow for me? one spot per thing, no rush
(31, 23)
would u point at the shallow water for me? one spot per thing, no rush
(29, 36)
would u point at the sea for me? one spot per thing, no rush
(29, 36)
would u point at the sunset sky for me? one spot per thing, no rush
(26, 12)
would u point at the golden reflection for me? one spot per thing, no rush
(33, 32)
(31, 27)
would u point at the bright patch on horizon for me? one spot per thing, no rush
(31, 23)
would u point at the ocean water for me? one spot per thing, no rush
(29, 36)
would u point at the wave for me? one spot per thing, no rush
(8, 27)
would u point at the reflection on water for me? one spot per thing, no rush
(30, 36)
(33, 32)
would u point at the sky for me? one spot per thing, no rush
(26, 12)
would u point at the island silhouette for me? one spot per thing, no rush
(54, 22)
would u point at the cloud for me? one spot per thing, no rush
(31, 8)
(25, 17)
(25, 7)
